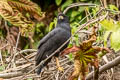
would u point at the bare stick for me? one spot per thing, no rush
(66, 72)
(1, 57)
(25, 51)
(25, 58)
(10, 75)
(105, 67)
(18, 68)
(78, 4)
(108, 40)
(15, 50)
(18, 37)
(4, 46)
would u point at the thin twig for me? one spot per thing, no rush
(91, 14)
(108, 40)
(4, 46)
(78, 4)
(26, 51)
(57, 75)
(18, 38)
(66, 72)
(25, 58)
(1, 57)
(15, 50)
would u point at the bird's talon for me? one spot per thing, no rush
(61, 69)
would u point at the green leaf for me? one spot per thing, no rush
(107, 24)
(58, 2)
(29, 79)
(84, 63)
(113, 7)
(51, 26)
(70, 56)
(70, 45)
(74, 13)
(68, 2)
(2, 68)
(74, 29)
(26, 46)
(115, 40)
(87, 59)
(81, 9)
(89, 56)
(94, 10)
(113, 27)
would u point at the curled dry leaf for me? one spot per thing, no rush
(83, 55)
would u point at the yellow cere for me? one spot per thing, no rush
(61, 17)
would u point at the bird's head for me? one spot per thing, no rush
(63, 18)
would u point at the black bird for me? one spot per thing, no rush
(52, 41)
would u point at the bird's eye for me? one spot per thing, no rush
(61, 17)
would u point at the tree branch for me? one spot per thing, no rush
(105, 67)
(10, 75)
(78, 4)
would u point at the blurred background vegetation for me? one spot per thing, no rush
(33, 19)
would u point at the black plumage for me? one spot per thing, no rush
(53, 40)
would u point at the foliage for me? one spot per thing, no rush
(111, 26)
(58, 2)
(115, 29)
(15, 11)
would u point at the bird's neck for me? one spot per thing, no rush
(65, 26)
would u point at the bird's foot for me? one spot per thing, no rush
(61, 69)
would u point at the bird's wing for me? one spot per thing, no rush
(48, 36)
(42, 49)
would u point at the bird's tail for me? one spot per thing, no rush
(39, 69)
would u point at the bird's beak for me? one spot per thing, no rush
(61, 17)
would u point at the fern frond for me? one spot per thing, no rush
(15, 18)
(27, 6)
(5, 5)
(28, 2)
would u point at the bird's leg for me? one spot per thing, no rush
(47, 67)
(58, 65)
